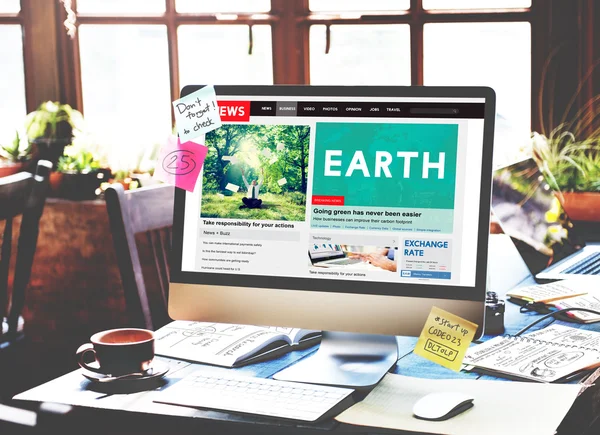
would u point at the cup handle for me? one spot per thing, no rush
(83, 349)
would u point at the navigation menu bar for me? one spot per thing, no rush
(345, 109)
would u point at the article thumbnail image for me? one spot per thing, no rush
(374, 258)
(256, 172)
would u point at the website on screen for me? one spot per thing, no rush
(362, 189)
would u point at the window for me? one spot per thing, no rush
(136, 55)
(222, 6)
(475, 4)
(486, 54)
(12, 84)
(120, 7)
(125, 81)
(10, 7)
(372, 6)
(385, 42)
(360, 55)
(226, 59)
(144, 51)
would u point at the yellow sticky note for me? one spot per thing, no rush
(445, 338)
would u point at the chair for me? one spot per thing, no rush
(22, 194)
(147, 210)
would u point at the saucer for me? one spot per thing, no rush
(157, 370)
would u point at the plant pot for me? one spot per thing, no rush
(50, 149)
(55, 181)
(9, 168)
(581, 206)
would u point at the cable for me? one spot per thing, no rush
(552, 314)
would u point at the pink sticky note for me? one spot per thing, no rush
(180, 163)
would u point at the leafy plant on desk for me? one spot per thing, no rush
(17, 151)
(569, 159)
(567, 164)
(52, 120)
(14, 155)
(76, 161)
(51, 128)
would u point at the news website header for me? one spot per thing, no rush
(240, 111)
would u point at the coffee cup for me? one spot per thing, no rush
(119, 351)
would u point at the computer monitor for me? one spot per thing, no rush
(400, 176)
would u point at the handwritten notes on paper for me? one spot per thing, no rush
(445, 339)
(180, 163)
(197, 113)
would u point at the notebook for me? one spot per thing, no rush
(554, 354)
(228, 345)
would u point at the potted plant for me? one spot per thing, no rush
(571, 167)
(14, 156)
(78, 174)
(50, 128)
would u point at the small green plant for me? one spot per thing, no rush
(77, 160)
(18, 151)
(52, 120)
(568, 164)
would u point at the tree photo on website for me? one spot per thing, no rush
(256, 172)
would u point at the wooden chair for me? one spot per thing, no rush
(24, 195)
(150, 211)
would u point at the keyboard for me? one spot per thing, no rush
(244, 394)
(589, 265)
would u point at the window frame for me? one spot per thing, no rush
(290, 22)
(21, 18)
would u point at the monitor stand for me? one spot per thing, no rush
(346, 360)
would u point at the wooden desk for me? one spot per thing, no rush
(136, 413)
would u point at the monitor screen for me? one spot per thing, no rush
(390, 184)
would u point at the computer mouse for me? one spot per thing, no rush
(442, 405)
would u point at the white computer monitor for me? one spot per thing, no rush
(342, 209)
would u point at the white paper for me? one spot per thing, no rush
(232, 187)
(280, 146)
(231, 159)
(273, 159)
(282, 181)
(266, 152)
(197, 113)
(499, 407)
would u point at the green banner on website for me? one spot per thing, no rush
(386, 165)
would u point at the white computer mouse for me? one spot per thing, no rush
(442, 405)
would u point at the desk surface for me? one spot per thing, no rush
(104, 411)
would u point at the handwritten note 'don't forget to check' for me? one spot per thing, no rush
(197, 113)
(445, 339)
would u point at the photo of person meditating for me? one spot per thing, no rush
(252, 200)
(256, 172)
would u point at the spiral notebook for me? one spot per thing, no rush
(554, 354)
